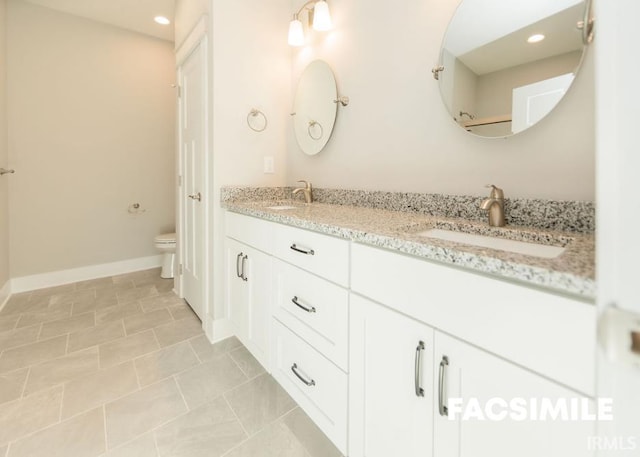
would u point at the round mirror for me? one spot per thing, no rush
(315, 107)
(504, 64)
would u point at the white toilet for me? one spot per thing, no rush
(166, 243)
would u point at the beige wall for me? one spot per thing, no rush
(187, 14)
(91, 130)
(495, 90)
(397, 135)
(4, 159)
(251, 69)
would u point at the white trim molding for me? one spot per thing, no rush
(5, 294)
(218, 329)
(192, 40)
(57, 278)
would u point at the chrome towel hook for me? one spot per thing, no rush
(4, 171)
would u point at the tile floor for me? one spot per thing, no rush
(120, 366)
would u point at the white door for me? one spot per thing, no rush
(532, 102)
(192, 177)
(618, 206)
(390, 383)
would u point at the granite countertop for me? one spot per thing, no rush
(572, 272)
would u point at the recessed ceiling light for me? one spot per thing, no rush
(535, 38)
(162, 20)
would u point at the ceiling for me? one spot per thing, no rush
(511, 50)
(136, 15)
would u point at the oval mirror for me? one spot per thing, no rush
(314, 107)
(504, 64)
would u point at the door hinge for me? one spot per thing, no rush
(180, 180)
(180, 269)
(179, 91)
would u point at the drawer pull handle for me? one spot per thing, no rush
(444, 411)
(418, 370)
(302, 250)
(238, 274)
(294, 368)
(243, 275)
(310, 309)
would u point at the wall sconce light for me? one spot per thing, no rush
(319, 18)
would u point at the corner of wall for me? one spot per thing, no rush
(4, 159)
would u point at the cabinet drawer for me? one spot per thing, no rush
(547, 333)
(321, 315)
(250, 230)
(319, 387)
(323, 255)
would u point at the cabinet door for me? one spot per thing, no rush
(257, 278)
(476, 377)
(390, 383)
(237, 302)
(248, 295)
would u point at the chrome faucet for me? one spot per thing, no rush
(495, 206)
(308, 192)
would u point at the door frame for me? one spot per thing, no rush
(618, 214)
(196, 41)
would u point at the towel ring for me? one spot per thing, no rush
(254, 113)
(313, 124)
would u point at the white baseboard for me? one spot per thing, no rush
(218, 329)
(5, 293)
(58, 278)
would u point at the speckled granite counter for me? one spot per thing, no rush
(572, 272)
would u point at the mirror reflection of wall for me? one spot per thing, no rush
(486, 63)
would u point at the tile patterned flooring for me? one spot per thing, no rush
(120, 366)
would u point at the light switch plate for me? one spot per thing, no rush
(269, 167)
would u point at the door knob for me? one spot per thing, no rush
(196, 197)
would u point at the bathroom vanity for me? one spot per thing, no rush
(376, 329)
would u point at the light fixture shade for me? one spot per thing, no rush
(321, 16)
(296, 33)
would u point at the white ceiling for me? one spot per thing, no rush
(488, 20)
(136, 15)
(512, 50)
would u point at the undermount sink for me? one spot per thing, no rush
(520, 247)
(282, 207)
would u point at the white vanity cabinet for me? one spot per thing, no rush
(377, 346)
(391, 383)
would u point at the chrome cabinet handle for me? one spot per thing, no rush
(310, 309)
(243, 275)
(301, 250)
(197, 196)
(238, 274)
(418, 370)
(294, 368)
(442, 408)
